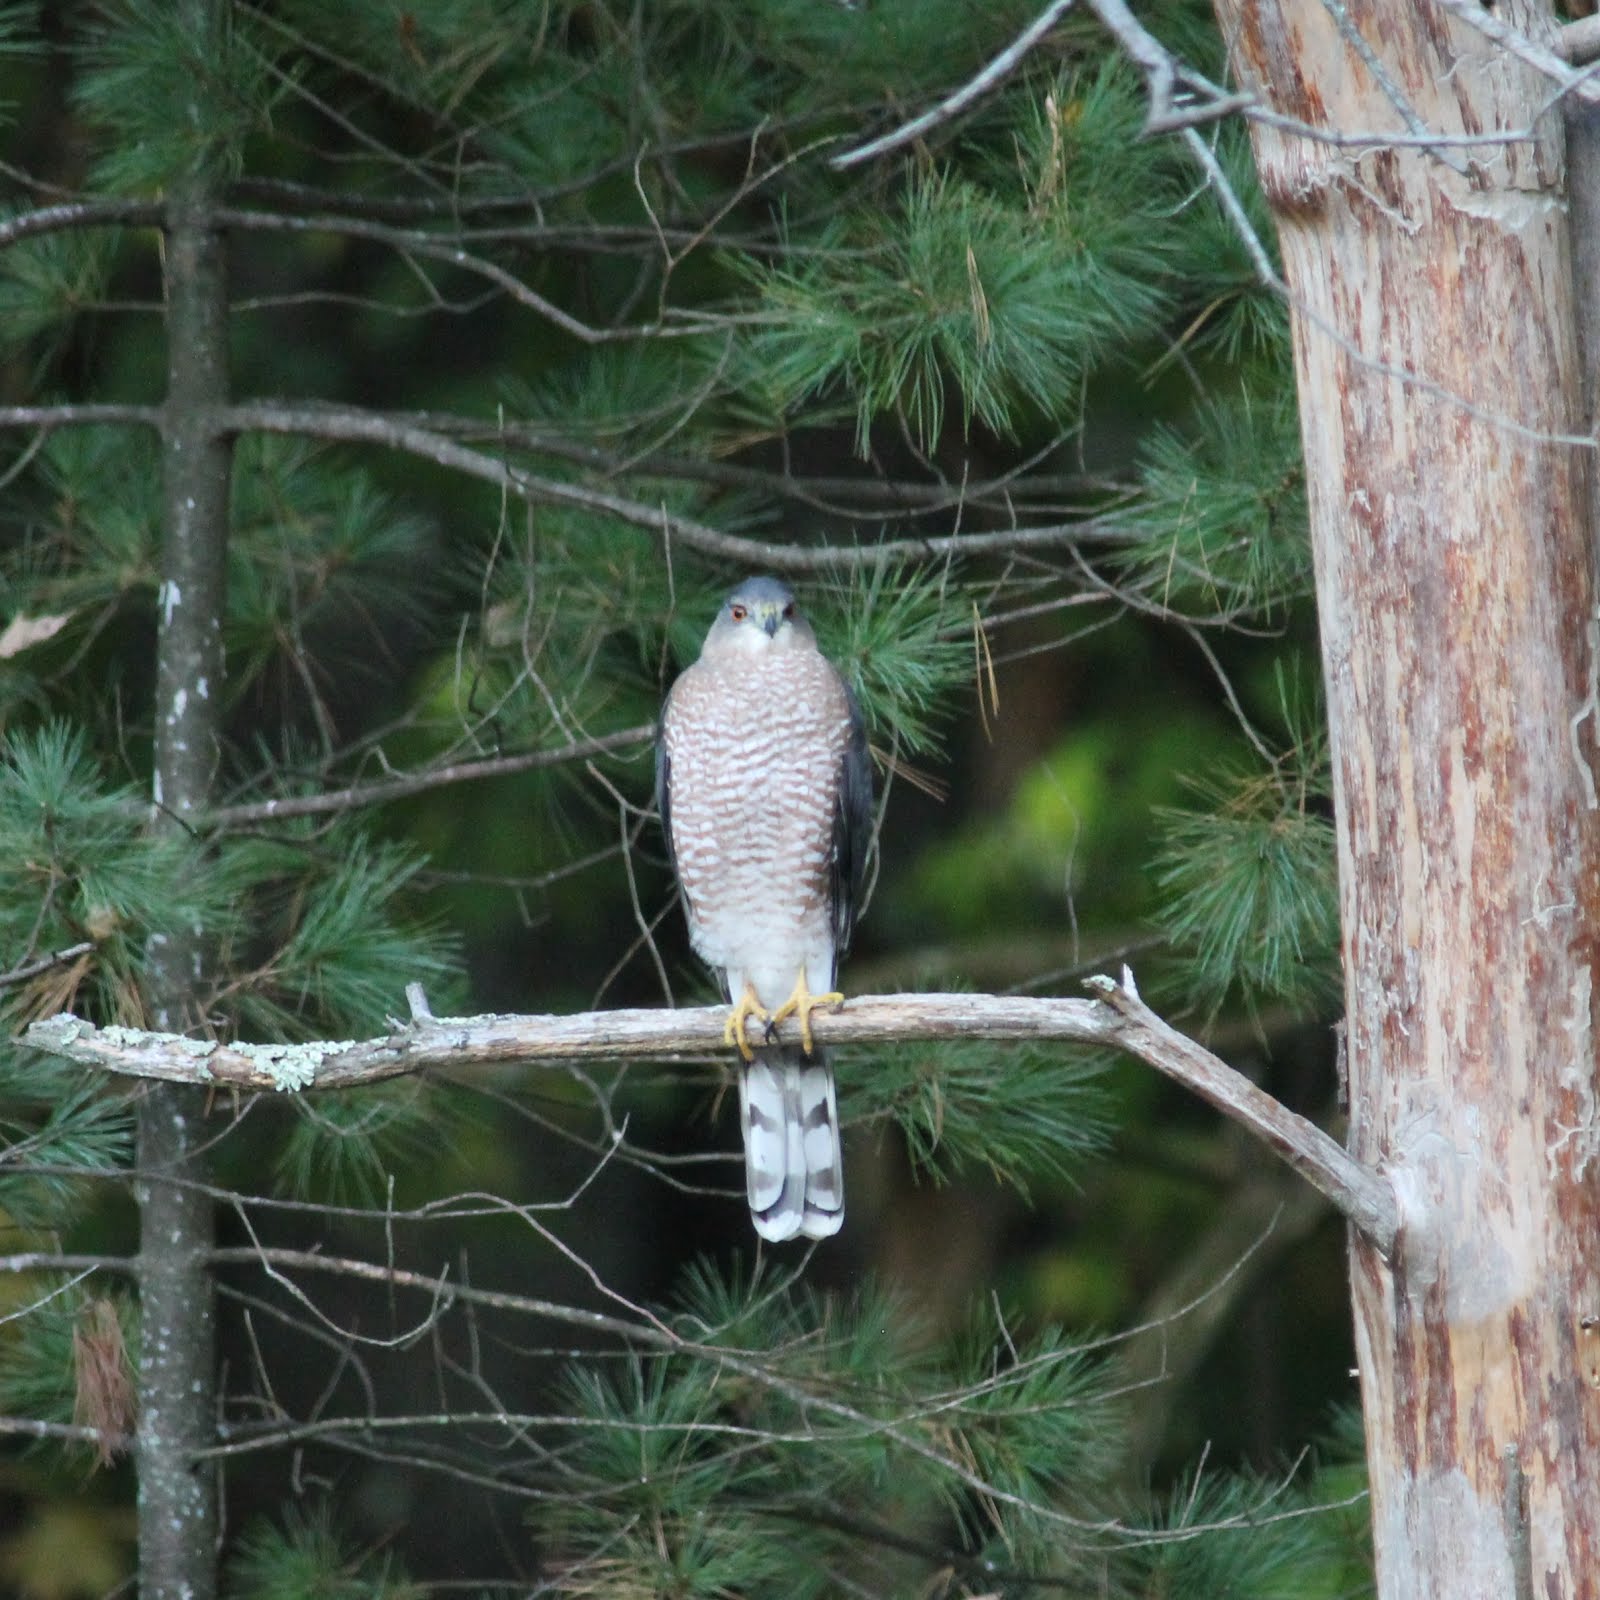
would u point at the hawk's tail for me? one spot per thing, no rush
(794, 1169)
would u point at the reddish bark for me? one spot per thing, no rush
(1437, 358)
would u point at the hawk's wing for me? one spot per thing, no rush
(664, 795)
(664, 783)
(852, 829)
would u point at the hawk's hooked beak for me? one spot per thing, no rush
(770, 618)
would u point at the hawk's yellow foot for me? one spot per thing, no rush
(801, 1004)
(736, 1032)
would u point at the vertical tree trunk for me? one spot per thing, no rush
(178, 1522)
(1437, 356)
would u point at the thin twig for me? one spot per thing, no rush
(953, 105)
(446, 249)
(356, 426)
(1163, 74)
(1580, 85)
(381, 790)
(32, 969)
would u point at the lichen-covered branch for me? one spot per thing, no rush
(1120, 1020)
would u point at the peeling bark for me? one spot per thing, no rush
(1438, 364)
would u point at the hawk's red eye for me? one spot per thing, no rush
(738, 613)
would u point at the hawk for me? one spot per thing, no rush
(765, 793)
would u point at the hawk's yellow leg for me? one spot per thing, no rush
(801, 1004)
(739, 1021)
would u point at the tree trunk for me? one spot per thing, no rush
(178, 1521)
(1437, 356)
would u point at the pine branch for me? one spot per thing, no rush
(877, 496)
(1120, 1020)
(349, 425)
(847, 496)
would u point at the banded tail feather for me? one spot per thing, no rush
(794, 1167)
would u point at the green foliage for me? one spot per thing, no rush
(47, 281)
(576, 622)
(955, 290)
(1039, 1430)
(342, 949)
(1078, 164)
(904, 638)
(321, 565)
(55, 1121)
(1221, 512)
(306, 1559)
(830, 1419)
(90, 534)
(624, 399)
(1027, 318)
(1020, 1113)
(344, 1145)
(41, 1361)
(1250, 887)
(141, 58)
(1217, 1537)
(78, 866)
(1234, 317)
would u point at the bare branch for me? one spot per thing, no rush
(75, 415)
(445, 1292)
(1392, 92)
(447, 250)
(80, 214)
(953, 105)
(1164, 73)
(1234, 209)
(381, 790)
(55, 1261)
(354, 426)
(1357, 1191)
(32, 969)
(858, 497)
(66, 1432)
(1120, 1020)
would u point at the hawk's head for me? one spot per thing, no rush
(758, 616)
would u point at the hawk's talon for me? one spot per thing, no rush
(736, 1030)
(802, 1003)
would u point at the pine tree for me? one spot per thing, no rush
(390, 395)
